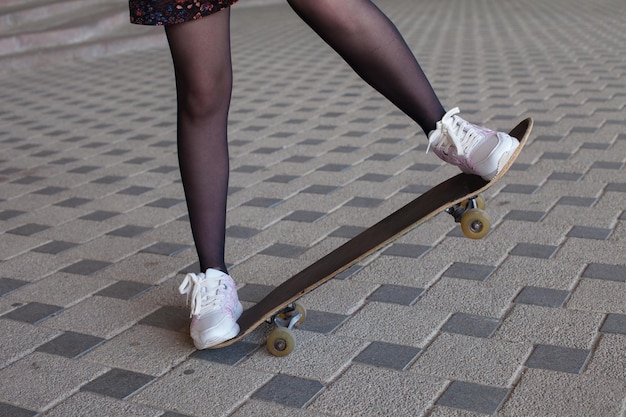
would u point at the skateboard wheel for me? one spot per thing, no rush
(475, 224)
(280, 342)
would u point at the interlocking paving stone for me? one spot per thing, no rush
(86, 267)
(586, 232)
(396, 294)
(263, 202)
(305, 216)
(169, 318)
(533, 250)
(8, 284)
(253, 292)
(473, 397)
(577, 201)
(524, 215)
(546, 297)
(558, 358)
(54, 247)
(166, 249)
(240, 232)
(468, 271)
(471, 325)
(28, 229)
(406, 250)
(283, 250)
(289, 390)
(388, 355)
(614, 323)
(606, 272)
(322, 322)
(12, 411)
(71, 345)
(10, 214)
(364, 202)
(118, 383)
(99, 215)
(34, 313)
(230, 355)
(124, 290)
(129, 231)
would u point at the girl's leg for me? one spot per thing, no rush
(202, 64)
(370, 43)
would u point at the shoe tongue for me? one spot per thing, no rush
(213, 273)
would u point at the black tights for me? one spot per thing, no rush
(356, 29)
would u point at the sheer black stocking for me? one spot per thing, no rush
(370, 43)
(202, 64)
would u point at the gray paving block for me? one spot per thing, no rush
(28, 229)
(34, 313)
(129, 231)
(468, 271)
(322, 322)
(471, 325)
(527, 216)
(71, 345)
(118, 383)
(614, 323)
(166, 249)
(586, 232)
(396, 294)
(558, 358)
(533, 250)
(55, 247)
(124, 290)
(230, 355)
(605, 272)
(289, 390)
(406, 250)
(7, 285)
(86, 267)
(388, 355)
(169, 318)
(12, 411)
(473, 397)
(545, 297)
(283, 250)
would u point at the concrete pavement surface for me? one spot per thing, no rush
(530, 321)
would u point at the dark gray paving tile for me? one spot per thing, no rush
(86, 267)
(166, 202)
(384, 157)
(282, 250)
(50, 190)
(282, 179)
(558, 358)
(134, 190)
(616, 187)
(364, 202)
(28, 180)
(263, 202)
(345, 149)
(33, 313)
(373, 178)
(166, 249)
(319, 189)
(254, 293)
(9, 410)
(240, 232)
(322, 322)
(169, 318)
(565, 176)
(424, 167)
(406, 250)
(85, 169)
(614, 323)
(129, 231)
(248, 169)
(348, 273)
(607, 165)
(124, 290)
(474, 272)
(118, 383)
(347, 232)
(108, 179)
(534, 250)
(415, 189)
(520, 189)
(305, 216)
(55, 247)
(586, 232)
(396, 294)
(545, 297)
(388, 355)
(525, 216)
(230, 355)
(8, 284)
(172, 414)
(10, 214)
(577, 201)
(140, 160)
(298, 159)
(606, 272)
(558, 156)
(334, 168)
(289, 391)
(166, 169)
(471, 325)
(99, 215)
(477, 398)
(28, 229)
(71, 345)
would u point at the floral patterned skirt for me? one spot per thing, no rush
(170, 12)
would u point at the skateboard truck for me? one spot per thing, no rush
(471, 214)
(281, 340)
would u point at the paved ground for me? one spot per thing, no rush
(530, 321)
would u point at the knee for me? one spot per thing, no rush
(205, 97)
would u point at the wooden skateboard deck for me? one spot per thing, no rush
(439, 198)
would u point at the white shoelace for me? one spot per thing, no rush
(204, 295)
(457, 132)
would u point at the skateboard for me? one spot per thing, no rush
(459, 196)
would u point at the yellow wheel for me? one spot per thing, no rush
(480, 202)
(280, 342)
(475, 224)
(300, 309)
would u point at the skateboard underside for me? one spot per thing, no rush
(457, 195)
